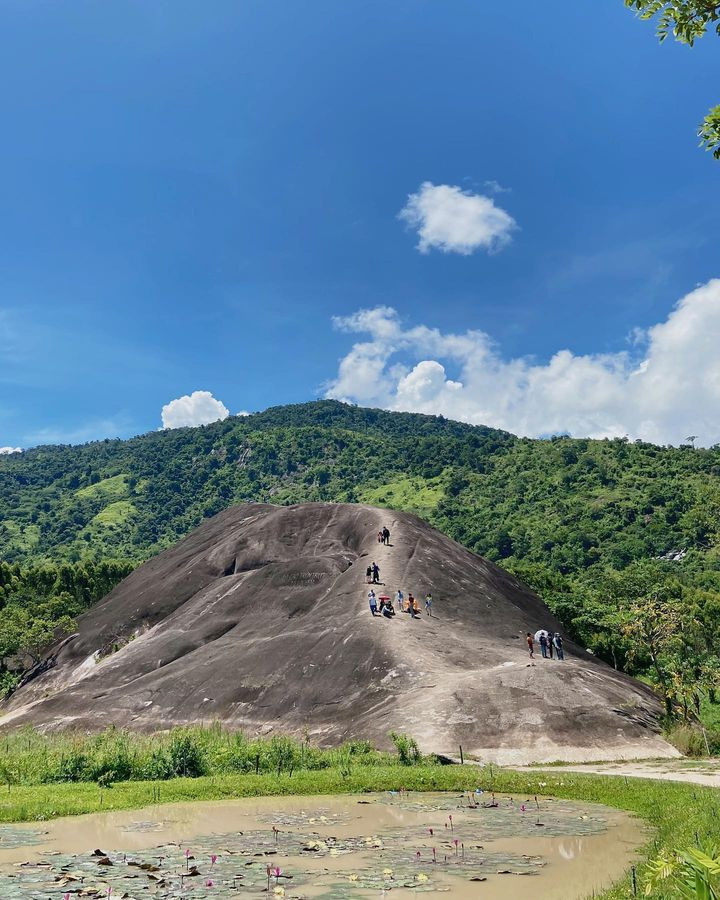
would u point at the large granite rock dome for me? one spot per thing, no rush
(259, 619)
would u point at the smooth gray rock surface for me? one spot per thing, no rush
(260, 619)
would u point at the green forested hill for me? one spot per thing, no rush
(562, 502)
(567, 515)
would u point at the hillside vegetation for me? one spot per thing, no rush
(585, 522)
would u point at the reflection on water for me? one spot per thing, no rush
(325, 847)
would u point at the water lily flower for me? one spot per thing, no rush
(213, 859)
(352, 877)
(209, 883)
(421, 876)
(279, 891)
(387, 873)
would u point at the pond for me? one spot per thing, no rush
(396, 845)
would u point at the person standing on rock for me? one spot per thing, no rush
(550, 644)
(531, 645)
(399, 598)
(368, 574)
(386, 535)
(558, 641)
(373, 601)
(428, 604)
(543, 644)
(376, 573)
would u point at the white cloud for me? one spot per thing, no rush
(5, 451)
(496, 188)
(666, 388)
(455, 221)
(198, 408)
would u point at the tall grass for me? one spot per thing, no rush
(31, 758)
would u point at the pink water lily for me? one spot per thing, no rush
(213, 859)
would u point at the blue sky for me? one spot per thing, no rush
(191, 192)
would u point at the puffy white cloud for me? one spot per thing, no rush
(198, 408)
(4, 451)
(455, 221)
(664, 389)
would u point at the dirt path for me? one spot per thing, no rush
(704, 772)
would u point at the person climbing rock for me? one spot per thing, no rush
(428, 604)
(558, 641)
(373, 601)
(543, 644)
(375, 573)
(531, 645)
(549, 644)
(386, 535)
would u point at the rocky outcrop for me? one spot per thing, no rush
(259, 619)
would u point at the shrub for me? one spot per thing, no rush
(407, 748)
(187, 757)
(73, 767)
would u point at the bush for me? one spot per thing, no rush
(74, 767)
(407, 748)
(187, 757)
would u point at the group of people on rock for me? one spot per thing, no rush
(550, 644)
(384, 606)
